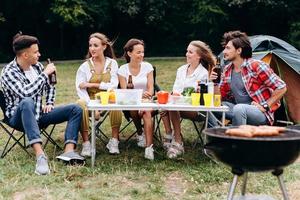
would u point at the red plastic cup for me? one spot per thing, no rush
(162, 97)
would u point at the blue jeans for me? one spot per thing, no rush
(23, 119)
(239, 114)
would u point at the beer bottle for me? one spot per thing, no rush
(198, 87)
(130, 84)
(52, 76)
(217, 69)
(203, 89)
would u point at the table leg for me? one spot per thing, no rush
(93, 139)
(206, 120)
(223, 119)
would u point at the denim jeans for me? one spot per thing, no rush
(239, 114)
(24, 120)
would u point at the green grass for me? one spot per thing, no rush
(128, 175)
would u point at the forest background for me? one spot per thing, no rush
(166, 26)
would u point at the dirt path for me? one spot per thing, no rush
(294, 190)
(175, 186)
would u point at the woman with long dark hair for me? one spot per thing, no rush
(142, 78)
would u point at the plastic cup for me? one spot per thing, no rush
(208, 99)
(162, 97)
(104, 96)
(217, 100)
(195, 99)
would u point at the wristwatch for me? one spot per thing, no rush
(266, 107)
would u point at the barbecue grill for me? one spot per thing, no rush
(255, 154)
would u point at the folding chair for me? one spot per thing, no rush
(17, 137)
(12, 133)
(48, 136)
(98, 131)
(201, 122)
(199, 125)
(156, 129)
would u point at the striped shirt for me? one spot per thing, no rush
(259, 80)
(16, 86)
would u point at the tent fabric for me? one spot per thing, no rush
(282, 49)
(291, 100)
(284, 59)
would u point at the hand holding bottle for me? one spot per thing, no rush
(52, 70)
(215, 74)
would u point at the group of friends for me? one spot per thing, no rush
(249, 87)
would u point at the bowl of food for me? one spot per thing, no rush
(180, 100)
(128, 96)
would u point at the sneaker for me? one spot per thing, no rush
(113, 146)
(175, 150)
(141, 141)
(42, 167)
(149, 152)
(86, 149)
(168, 140)
(72, 158)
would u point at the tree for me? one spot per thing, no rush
(2, 19)
(210, 19)
(72, 12)
(263, 2)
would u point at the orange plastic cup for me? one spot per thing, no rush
(112, 97)
(162, 97)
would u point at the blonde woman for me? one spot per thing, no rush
(200, 60)
(98, 73)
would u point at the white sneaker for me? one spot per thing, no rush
(42, 167)
(113, 146)
(149, 152)
(141, 141)
(86, 149)
(175, 150)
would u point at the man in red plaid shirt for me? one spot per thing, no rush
(248, 87)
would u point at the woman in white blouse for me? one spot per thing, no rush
(98, 73)
(200, 60)
(142, 78)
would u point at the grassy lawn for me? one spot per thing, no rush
(129, 175)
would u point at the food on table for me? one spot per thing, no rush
(188, 91)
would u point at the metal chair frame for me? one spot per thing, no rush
(20, 140)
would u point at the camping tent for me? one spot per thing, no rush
(284, 59)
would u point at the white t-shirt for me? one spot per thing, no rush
(139, 81)
(84, 75)
(183, 80)
(31, 74)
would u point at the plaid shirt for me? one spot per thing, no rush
(259, 81)
(16, 87)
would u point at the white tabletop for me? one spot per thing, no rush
(95, 105)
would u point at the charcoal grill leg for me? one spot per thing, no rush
(278, 174)
(232, 187)
(244, 183)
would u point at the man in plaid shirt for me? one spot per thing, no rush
(24, 82)
(249, 87)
